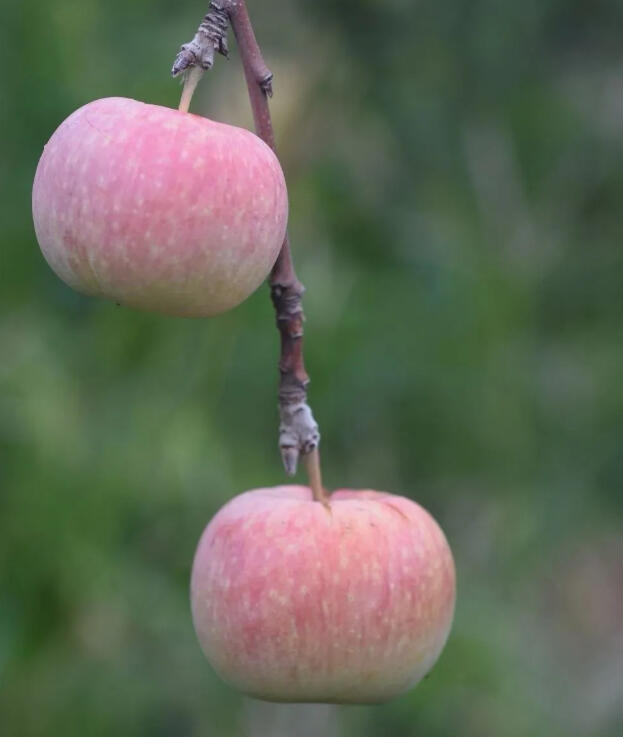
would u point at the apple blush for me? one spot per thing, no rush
(159, 209)
(296, 601)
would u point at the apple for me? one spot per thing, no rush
(346, 603)
(158, 209)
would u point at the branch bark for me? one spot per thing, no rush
(298, 431)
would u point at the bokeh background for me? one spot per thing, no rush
(456, 179)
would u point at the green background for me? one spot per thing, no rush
(455, 172)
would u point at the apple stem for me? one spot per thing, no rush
(312, 463)
(298, 431)
(191, 80)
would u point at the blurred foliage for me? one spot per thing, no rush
(456, 181)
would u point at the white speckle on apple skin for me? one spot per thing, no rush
(200, 208)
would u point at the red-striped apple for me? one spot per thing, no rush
(159, 209)
(346, 603)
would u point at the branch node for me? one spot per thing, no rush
(298, 433)
(267, 84)
(211, 37)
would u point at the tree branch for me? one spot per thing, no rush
(298, 431)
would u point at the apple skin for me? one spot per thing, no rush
(158, 209)
(294, 601)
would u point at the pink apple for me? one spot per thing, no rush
(158, 209)
(293, 601)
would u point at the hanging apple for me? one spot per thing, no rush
(350, 601)
(159, 209)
